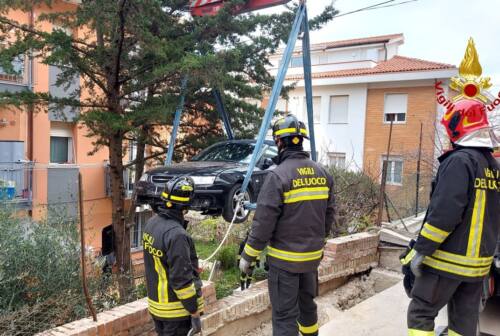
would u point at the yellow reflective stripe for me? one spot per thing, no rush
(415, 332)
(162, 280)
(306, 194)
(171, 305)
(175, 198)
(476, 229)
(171, 310)
(456, 269)
(453, 333)
(301, 190)
(251, 251)
(186, 293)
(294, 256)
(433, 233)
(180, 199)
(285, 130)
(406, 260)
(291, 130)
(463, 260)
(306, 198)
(308, 330)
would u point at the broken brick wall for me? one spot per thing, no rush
(242, 311)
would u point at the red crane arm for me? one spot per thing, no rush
(211, 7)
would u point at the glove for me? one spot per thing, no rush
(245, 266)
(195, 325)
(416, 264)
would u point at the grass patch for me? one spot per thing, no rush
(229, 282)
(229, 278)
(225, 283)
(205, 249)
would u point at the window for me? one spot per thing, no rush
(61, 143)
(394, 170)
(316, 110)
(297, 62)
(336, 160)
(294, 106)
(339, 107)
(18, 67)
(129, 173)
(141, 219)
(281, 105)
(395, 107)
(270, 153)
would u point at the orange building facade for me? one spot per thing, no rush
(43, 152)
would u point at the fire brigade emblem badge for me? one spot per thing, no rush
(466, 112)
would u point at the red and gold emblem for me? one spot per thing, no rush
(466, 113)
(469, 84)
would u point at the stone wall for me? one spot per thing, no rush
(242, 311)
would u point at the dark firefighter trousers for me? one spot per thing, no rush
(292, 299)
(172, 328)
(432, 292)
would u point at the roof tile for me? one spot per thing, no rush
(395, 64)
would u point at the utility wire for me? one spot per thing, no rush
(379, 5)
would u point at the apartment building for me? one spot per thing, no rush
(359, 86)
(43, 152)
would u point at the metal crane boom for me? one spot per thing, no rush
(211, 7)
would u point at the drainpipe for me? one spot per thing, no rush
(30, 115)
(31, 88)
(385, 51)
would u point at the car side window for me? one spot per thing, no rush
(270, 153)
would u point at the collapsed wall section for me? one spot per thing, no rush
(242, 311)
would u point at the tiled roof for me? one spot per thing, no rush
(395, 64)
(349, 43)
(356, 42)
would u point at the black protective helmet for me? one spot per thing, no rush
(178, 191)
(289, 126)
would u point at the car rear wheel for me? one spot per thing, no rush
(232, 200)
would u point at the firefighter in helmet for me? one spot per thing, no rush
(295, 211)
(171, 263)
(455, 247)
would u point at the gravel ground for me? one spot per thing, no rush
(330, 304)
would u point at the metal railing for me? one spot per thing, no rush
(16, 181)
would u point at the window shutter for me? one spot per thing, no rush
(339, 107)
(395, 107)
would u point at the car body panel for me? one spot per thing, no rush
(212, 197)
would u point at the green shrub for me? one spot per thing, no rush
(356, 198)
(228, 256)
(229, 281)
(40, 275)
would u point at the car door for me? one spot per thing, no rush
(259, 174)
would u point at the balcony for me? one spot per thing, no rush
(15, 82)
(16, 181)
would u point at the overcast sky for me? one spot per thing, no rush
(434, 30)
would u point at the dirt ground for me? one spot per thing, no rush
(345, 297)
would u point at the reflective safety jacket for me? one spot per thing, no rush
(295, 211)
(171, 264)
(460, 232)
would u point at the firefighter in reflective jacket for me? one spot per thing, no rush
(294, 215)
(454, 250)
(171, 264)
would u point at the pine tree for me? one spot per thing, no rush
(131, 57)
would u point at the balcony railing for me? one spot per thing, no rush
(16, 181)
